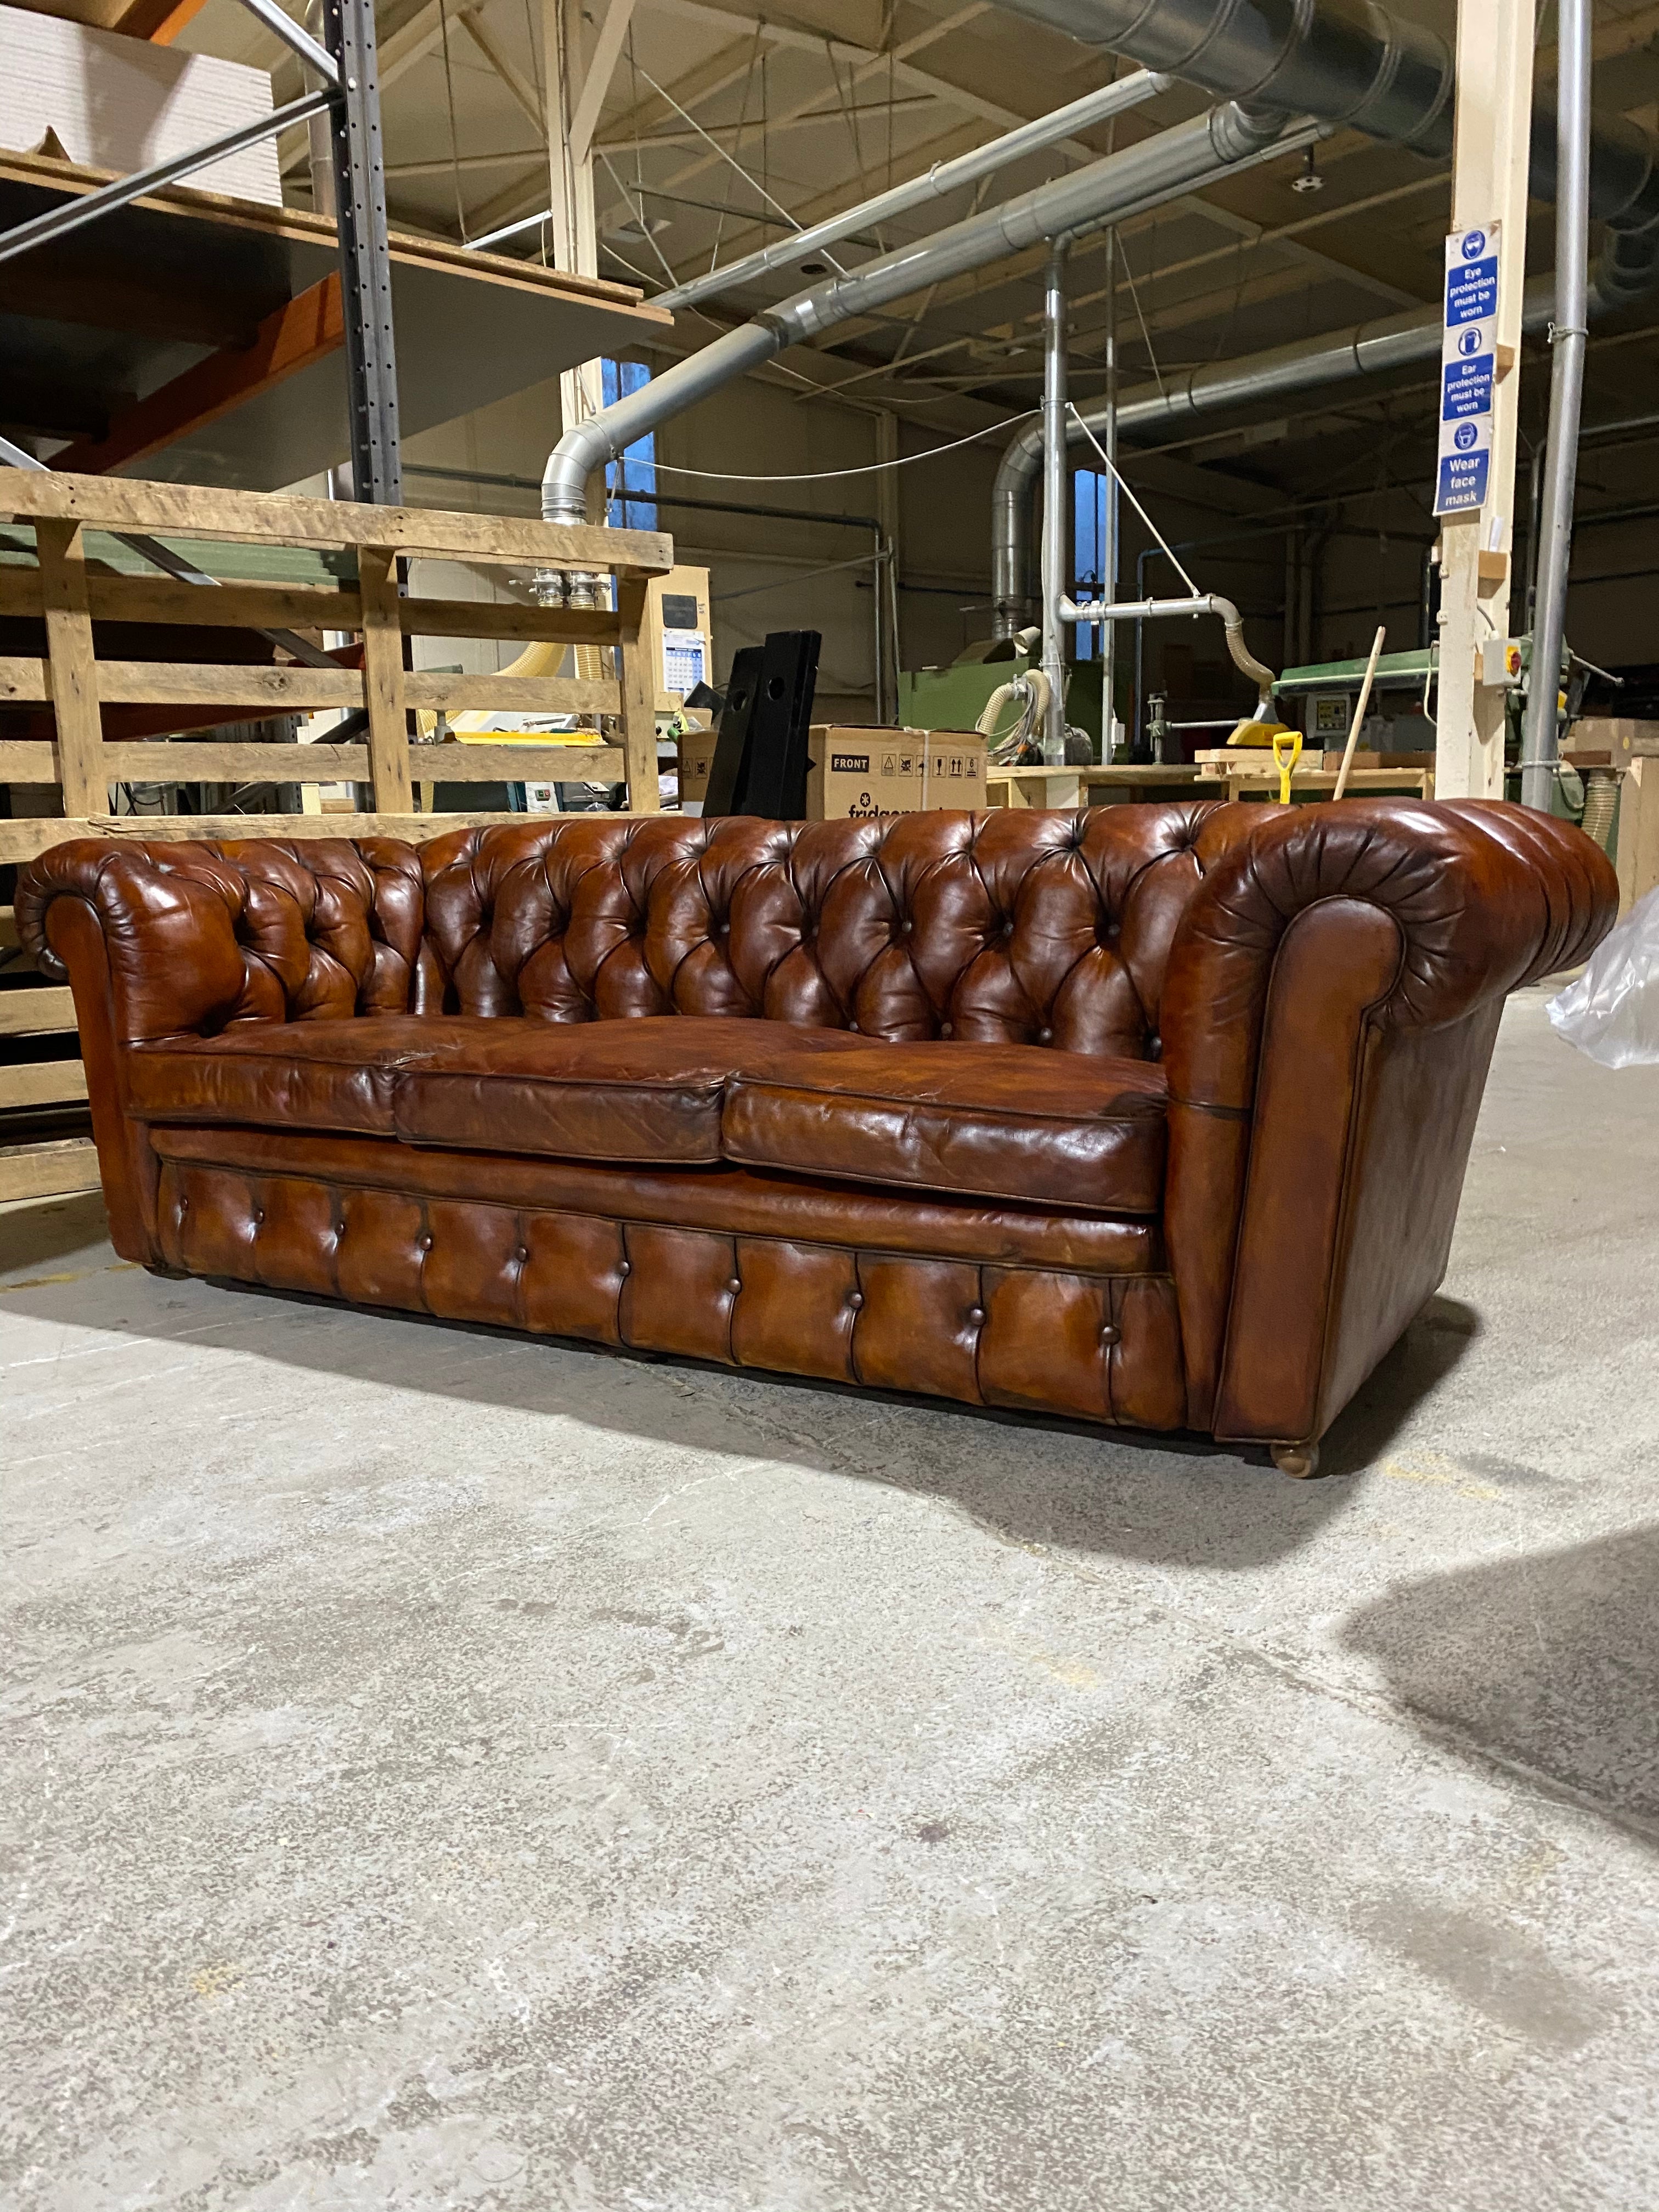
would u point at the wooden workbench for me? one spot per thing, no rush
(1128, 780)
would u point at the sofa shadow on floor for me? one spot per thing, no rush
(1164, 1500)
(49, 1232)
(1550, 1660)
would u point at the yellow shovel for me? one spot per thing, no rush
(1287, 751)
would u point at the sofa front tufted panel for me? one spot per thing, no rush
(1102, 1347)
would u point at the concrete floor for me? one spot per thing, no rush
(447, 1770)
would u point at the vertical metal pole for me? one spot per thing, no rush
(1567, 338)
(1109, 534)
(888, 518)
(1056, 507)
(877, 581)
(365, 258)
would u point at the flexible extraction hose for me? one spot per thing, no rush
(1006, 748)
(1601, 805)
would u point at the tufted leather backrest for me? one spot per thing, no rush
(200, 936)
(1018, 925)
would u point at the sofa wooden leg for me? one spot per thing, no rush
(1296, 1459)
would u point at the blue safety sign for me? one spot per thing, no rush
(1467, 388)
(1469, 370)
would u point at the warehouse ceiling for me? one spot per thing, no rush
(720, 131)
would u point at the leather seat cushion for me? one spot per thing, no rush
(1021, 1122)
(336, 1075)
(649, 1088)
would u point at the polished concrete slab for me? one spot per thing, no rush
(449, 1770)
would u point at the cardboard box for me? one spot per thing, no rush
(863, 774)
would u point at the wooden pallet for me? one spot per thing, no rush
(70, 680)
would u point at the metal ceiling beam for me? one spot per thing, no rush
(514, 78)
(936, 181)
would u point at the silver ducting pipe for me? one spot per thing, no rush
(1627, 268)
(944, 177)
(1567, 336)
(1349, 62)
(1056, 507)
(1199, 603)
(1139, 178)
(1353, 65)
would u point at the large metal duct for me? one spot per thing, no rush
(1351, 64)
(1109, 191)
(1348, 62)
(1627, 269)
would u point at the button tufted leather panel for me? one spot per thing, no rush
(1105, 1348)
(735, 1200)
(1012, 926)
(203, 936)
(1055, 1128)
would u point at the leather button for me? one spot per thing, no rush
(1045, 1036)
(624, 1267)
(735, 1285)
(339, 1229)
(945, 1030)
(1008, 927)
(976, 1315)
(722, 928)
(425, 1242)
(852, 1026)
(856, 1299)
(258, 1215)
(1109, 1333)
(521, 1252)
(184, 1206)
(905, 928)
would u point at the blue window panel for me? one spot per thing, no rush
(630, 484)
(1089, 491)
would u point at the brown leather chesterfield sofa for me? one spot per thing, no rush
(1154, 1115)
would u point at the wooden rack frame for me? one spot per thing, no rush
(68, 594)
(75, 684)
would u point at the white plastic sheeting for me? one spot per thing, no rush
(1612, 1010)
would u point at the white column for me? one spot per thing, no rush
(576, 90)
(1489, 185)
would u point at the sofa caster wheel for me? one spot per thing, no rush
(1302, 1459)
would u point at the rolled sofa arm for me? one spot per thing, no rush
(174, 940)
(166, 923)
(1332, 1000)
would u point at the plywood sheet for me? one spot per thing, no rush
(121, 104)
